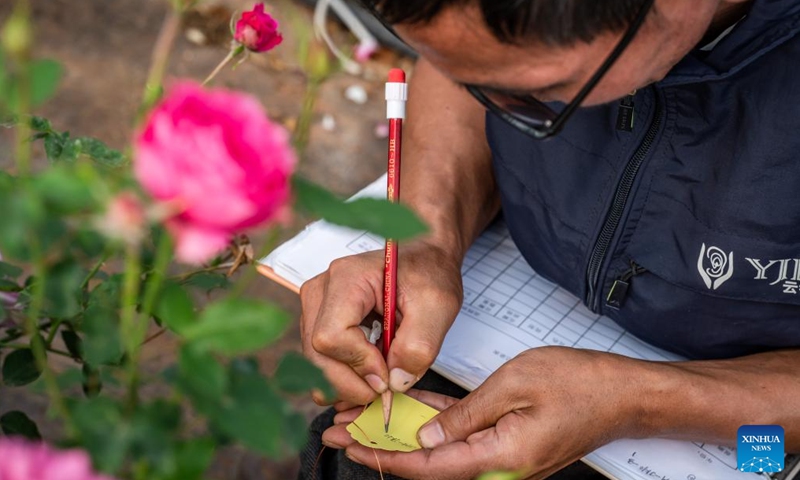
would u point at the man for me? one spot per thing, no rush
(667, 202)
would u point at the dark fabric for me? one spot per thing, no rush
(712, 213)
(333, 465)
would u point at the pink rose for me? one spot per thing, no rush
(215, 156)
(257, 30)
(24, 460)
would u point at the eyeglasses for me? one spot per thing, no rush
(536, 118)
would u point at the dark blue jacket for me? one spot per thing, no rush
(696, 210)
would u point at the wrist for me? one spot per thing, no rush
(651, 395)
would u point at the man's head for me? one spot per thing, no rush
(550, 48)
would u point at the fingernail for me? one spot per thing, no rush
(353, 459)
(431, 435)
(332, 445)
(318, 397)
(400, 380)
(376, 383)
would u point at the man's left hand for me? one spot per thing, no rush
(543, 410)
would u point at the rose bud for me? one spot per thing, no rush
(124, 219)
(257, 30)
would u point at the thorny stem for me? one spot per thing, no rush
(23, 83)
(160, 264)
(250, 273)
(52, 333)
(23, 157)
(39, 352)
(303, 129)
(95, 269)
(235, 52)
(158, 65)
(128, 322)
(152, 337)
(187, 276)
(22, 346)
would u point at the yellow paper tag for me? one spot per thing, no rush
(408, 415)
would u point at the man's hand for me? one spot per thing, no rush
(448, 182)
(334, 304)
(541, 411)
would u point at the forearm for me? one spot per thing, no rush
(447, 174)
(710, 400)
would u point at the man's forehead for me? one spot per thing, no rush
(459, 44)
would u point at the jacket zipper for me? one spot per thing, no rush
(614, 216)
(619, 290)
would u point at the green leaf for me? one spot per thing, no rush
(19, 368)
(72, 377)
(101, 342)
(201, 378)
(40, 124)
(296, 374)
(45, 76)
(73, 343)
(192, 459)
(23, 215)
(174, 307)
(107, 293)
(208, 281)
(237, 326)
(152, 427)
(64, 191)
(63, 291)
(54, 145)
(9, 286)
(381, 217)
(294, 431)
(9, 271)
(244, 365)
(17, 423)
(252, 413)
(92, 385)
(99, 152)
(90, 242)
(103, 431)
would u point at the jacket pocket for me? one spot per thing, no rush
(705, 293)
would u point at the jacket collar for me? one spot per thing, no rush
(768, 24)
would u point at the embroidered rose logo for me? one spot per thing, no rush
(715, 266)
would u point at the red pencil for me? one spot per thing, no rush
(396, 96)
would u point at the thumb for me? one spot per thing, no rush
(478, 411)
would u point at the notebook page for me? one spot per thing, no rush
(507, 309)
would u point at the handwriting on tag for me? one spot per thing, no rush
(408, 415)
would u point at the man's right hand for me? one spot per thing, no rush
(334, 303)
(448, 181)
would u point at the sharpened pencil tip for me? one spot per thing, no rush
(386, 428)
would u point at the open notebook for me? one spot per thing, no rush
(508, 308)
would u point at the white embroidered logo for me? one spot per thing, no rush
(719, 269)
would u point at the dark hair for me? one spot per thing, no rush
(554, 22)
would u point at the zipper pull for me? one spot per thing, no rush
(619, 290)
(626, 113)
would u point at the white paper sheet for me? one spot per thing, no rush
(507, 309)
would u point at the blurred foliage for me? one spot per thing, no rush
(67, 290)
